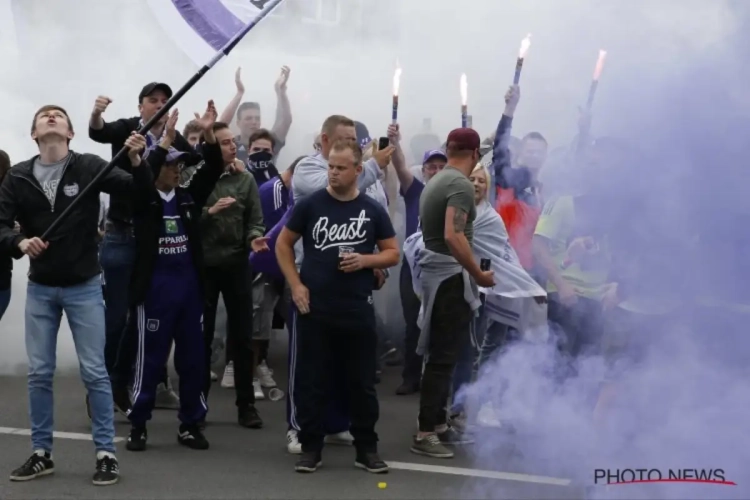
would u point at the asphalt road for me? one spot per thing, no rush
(244, 463)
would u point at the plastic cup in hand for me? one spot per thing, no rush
(342, 252)
(276, 394)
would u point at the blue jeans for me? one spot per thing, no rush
(117, 258)
(84, 307)
(4, 301)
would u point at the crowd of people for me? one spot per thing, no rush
(489, 259)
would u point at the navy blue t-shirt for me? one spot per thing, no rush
(327, 225)
(174, 248)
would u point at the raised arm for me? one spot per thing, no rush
(283, 121)
(405, 177)
(101, 131)
(500, 153)
(202, 183)
(227, 116)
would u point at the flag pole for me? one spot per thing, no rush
(220, 54)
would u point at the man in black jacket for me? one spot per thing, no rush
(117, 253)
(167, 289)
(64, 276)
(6, 262)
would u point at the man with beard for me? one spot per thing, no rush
(332, 294)
(117, 253)
(449, 278)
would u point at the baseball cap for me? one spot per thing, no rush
(363, 135)
(173, 155)
(463, 139)
(433, 153)
(151, 87)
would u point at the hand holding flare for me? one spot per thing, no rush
(525, 44)
(396, 85)
(464, 100)
(595, 81)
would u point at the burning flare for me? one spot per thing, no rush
(600, 64)
(464, 90)
(525, 44)
(396, 81)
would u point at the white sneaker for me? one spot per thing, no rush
(258, 390)
(265, 374)
(214, 377)
(227, 381)
(487, 416)
(292, 443)
(341, 438)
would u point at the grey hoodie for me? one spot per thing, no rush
(311, 175)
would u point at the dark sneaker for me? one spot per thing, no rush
(192, 437)
(248, 417)
(121, 399)
(137, 439)
(430, 446)
(107, 470)
(371, 462)
(39, 464)
(407, 388)
(202, 425)
(452, 436)
(309, 461)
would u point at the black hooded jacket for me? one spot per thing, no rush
(72, 256)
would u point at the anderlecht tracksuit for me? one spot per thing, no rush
(167, 289)
(173, 310)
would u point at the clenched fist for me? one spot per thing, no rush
(100, 105)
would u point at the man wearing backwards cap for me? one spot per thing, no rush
(166, 292)
(449, 278)
(433, 161)
(117, 254)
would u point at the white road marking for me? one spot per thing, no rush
(488, 474)
(436, 469)
(57, 435)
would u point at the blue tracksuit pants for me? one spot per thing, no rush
(172, 311)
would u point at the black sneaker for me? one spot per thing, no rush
(107, 471)
(248, 417)
(121, 399)
(309, 461)
(192, 437)
(39, 464)
(137, 439)
(371, 462)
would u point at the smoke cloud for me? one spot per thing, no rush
(673, 86)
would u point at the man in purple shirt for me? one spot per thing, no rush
(269, 291)
(411, 188)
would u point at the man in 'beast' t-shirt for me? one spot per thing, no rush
(334, 315)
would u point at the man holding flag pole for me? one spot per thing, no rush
(45, 231)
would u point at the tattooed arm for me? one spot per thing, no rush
(456, 218)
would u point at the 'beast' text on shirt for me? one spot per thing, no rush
(336, 235)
